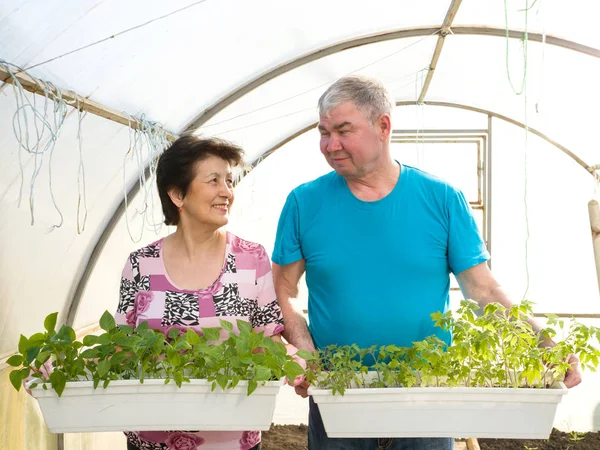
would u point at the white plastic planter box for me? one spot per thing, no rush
(439, 412)
(154, 406)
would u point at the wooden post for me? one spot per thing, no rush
(594, 210)
(72, 99)
(472, 444)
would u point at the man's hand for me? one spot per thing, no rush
(300, 384)
(302, 388)
(573, 375)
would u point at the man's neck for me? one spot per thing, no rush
(377, 184)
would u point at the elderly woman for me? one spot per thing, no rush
(200, 273)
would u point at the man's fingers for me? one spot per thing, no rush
(302, 391)
(572, 379)
(573, 375)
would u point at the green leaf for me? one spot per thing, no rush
(32, 353)
(90, 340)
(127, 329)
(103, 368)
(118, 358)
(67, 334)
(192, 337)
(173, 357)
(37, 339)
(50, 322)
(90, 353)
(293, 369)
(211, 334)
(243, 326)
(15, 361)
(107, 321)
(178, 378)
(23, 344)
(104, 339)
(305, 354)
(16, 379)
(226, 325)
(105, 384)
(58, 380)
(263, 373)
(173, 333)
(252, 385)
(222, 380)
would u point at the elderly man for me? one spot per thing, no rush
(378, 240)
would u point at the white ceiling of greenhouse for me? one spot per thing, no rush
(174, 61)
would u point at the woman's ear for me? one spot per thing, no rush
(175, 196)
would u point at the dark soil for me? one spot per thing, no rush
(285, 437)
(558, 441)
(294, 437)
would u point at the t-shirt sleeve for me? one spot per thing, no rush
(465, 244)
(125, 314)
(267, 317)
(287, 240)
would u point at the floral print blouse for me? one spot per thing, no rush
(244, 290)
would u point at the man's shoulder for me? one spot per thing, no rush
(425, 179)
(316, 187)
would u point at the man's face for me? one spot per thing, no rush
(351, 144)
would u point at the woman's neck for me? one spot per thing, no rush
(191, 244)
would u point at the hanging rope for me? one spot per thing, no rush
(81, 194)
(36, 129)
(522, 90)
(524, 45)
(146, 142)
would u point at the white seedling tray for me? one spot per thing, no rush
(154, 406)
(439, 412)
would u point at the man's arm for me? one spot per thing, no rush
(478, 284)
(286, 280)
(296, 331)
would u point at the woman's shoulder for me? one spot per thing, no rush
(151, 250)
(240, 245)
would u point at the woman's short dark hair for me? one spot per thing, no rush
(176, 167)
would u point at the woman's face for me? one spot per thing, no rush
(210, 194)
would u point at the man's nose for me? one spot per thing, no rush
(334, 144)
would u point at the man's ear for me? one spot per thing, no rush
(384, 125)
(175, 196)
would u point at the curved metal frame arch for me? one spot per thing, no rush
(207, 114)
(487, 112)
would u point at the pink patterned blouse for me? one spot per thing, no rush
(244, 290)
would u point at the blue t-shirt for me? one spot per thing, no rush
(375, 271)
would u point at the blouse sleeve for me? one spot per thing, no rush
(125, 314)
(267, 317)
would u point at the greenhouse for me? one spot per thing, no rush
(498, 97)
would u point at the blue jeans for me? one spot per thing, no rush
(318, 440)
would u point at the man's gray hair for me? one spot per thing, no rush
(367, 94)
